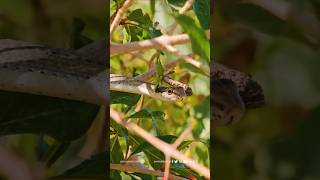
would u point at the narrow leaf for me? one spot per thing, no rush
(178, 3)
(199, 41)
(64, 120)
(159, 69)
(129, 99)
(202, 10)
(144, 113)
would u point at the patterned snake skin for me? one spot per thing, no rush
(41, 70)
(232, 93)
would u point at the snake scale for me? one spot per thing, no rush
(232, 93)
(38, 69)
(82, 75)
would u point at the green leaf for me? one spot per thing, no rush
(185, 144)
(199, 41)
(154, 32)
(142, 19)
(115, 174)
(152, 153)
(122, 132)
(264, 21)
(144, 145)
(191, 68)
(159, 70)
(202, 10)
(113, 8)
(144, 113)
(197, 129)
(256, 17)
(129, 99)
(178, 3)
(203, 110)
(77, 40)
(136, 15)
(152, 7)
(200, 85)
(140, 27)
(93, 168)
(203, 154)
(144, 176)
(136, 33)
(181, 169)
(116, 154)
(126, 36)
(64, 120)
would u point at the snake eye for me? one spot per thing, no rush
(169, 91)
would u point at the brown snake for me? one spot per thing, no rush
(82, 75)
(232, 92)
(38, 69)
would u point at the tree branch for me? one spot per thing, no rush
(159, 144)
(155, 43)
(141, 169)
(119, 15)
(184, 9)
(148, 44)
(167, 67)
(188, 59)
(177, 142)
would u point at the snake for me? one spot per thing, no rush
(232, 93)
(72, 74)
(82, 75)
(38, 69)
(176, 92)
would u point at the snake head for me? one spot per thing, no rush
(173, 92)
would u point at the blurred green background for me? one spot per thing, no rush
(50, 22)
(278, 43)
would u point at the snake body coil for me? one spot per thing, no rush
(82, 75)
(232, 93)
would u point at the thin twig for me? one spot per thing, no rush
(159, 144)
(187, 58)
(183, 10)
(161, 42)
(183, 136)
(167, 67)
(186, 6)
(119, 15)
(138, 55)
(177, 142)
(167, 167)
(155, 43)
(139, 168)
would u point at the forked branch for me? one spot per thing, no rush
(159, 144)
